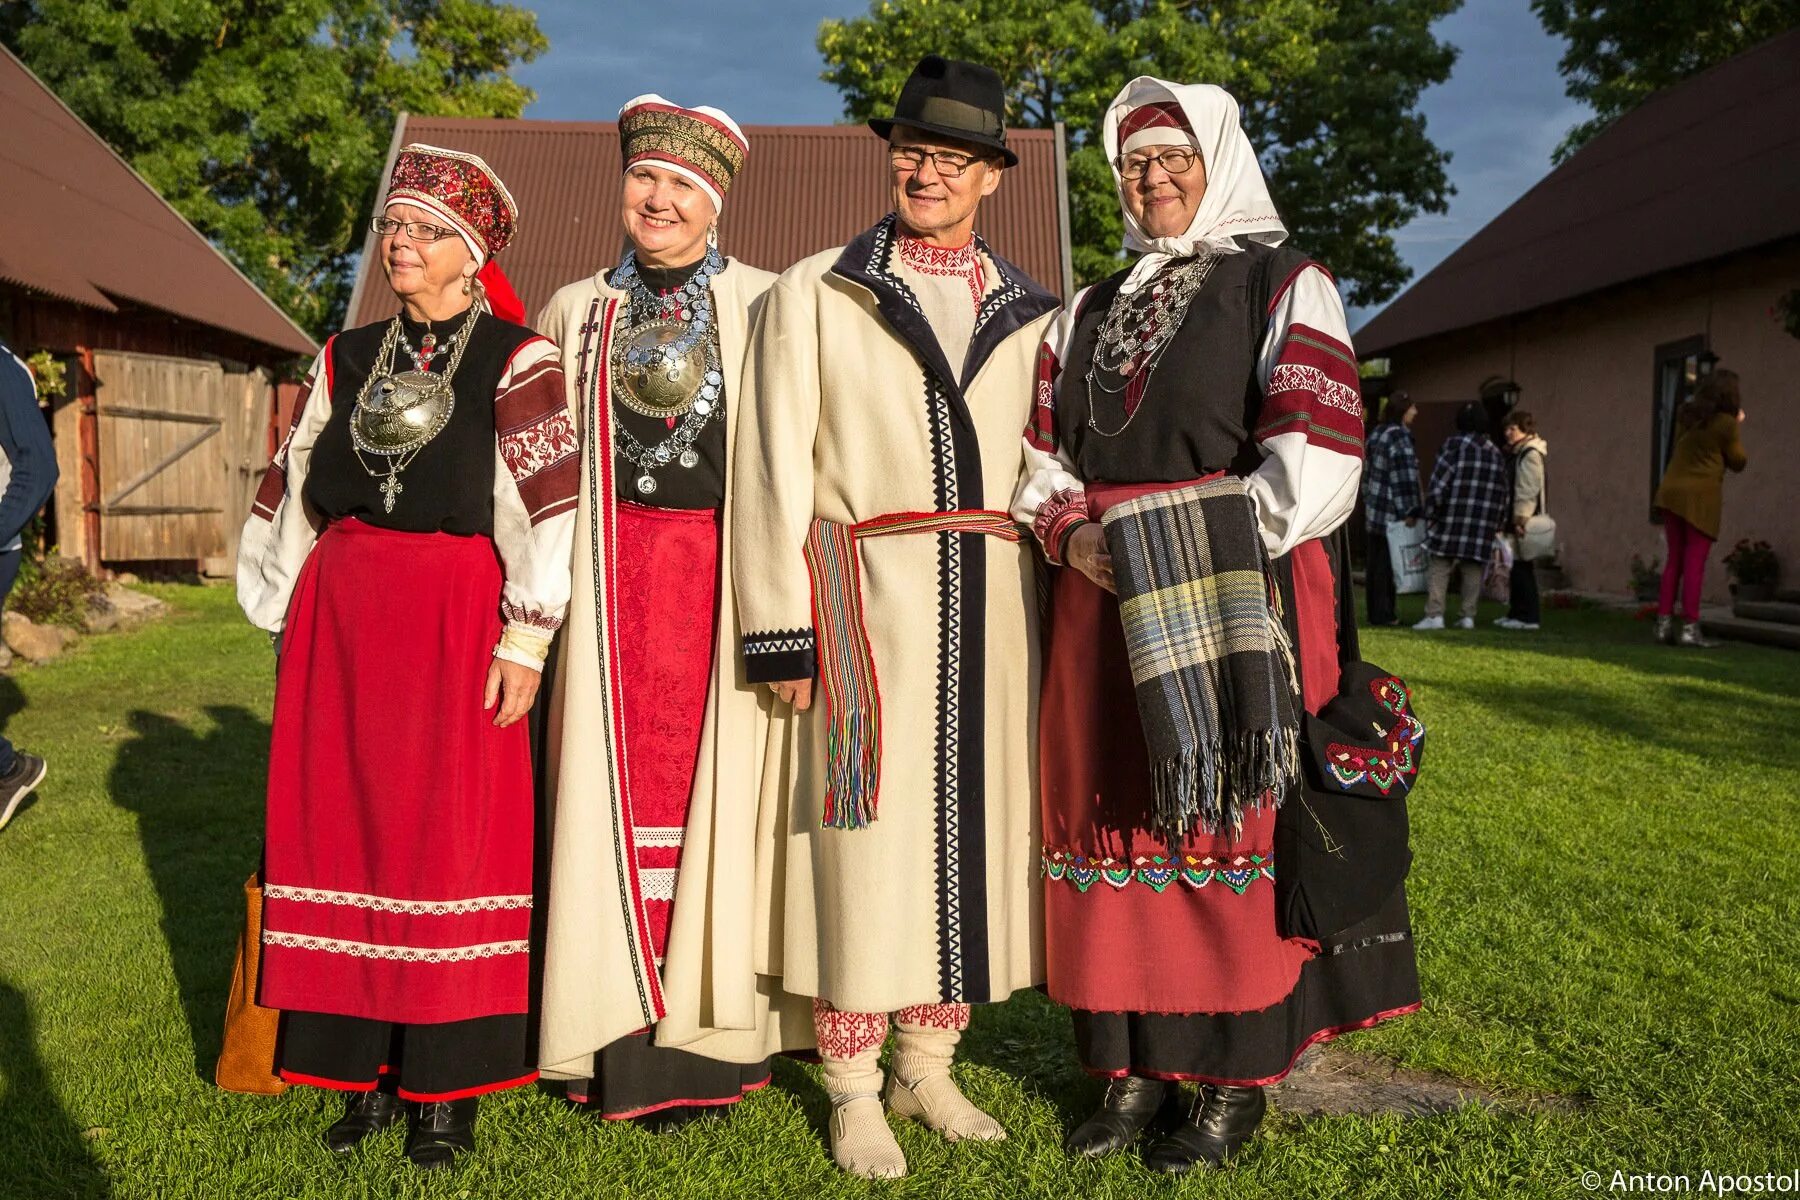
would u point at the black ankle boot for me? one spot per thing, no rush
(1222, 1119)
(441, 1130)
(1130, 1104)
(368, 1112)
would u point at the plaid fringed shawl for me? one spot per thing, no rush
(1211, 661)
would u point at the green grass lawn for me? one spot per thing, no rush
(1606, 894)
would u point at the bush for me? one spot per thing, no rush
(54, 591)
(1753, 562)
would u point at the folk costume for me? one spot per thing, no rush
(1203, 406)
(871, 549)
(415, 525)
(655, 741)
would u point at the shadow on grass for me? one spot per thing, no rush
(44, 1152)
(199, 804)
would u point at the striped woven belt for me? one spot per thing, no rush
(846, 666)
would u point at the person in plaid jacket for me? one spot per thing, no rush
(1466, 503)
(1390, 496)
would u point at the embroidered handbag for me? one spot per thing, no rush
(1341, 838)
(247, 1058)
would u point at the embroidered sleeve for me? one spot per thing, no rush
(280, 531)
(1310, 430)
(772, 487)
(535, 478)
(1051, 497)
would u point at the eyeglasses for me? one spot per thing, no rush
(1176, 161)
(949, 163)
(418, 231)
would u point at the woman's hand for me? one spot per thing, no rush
(1085, 550)
(514, 686)
(797, 692)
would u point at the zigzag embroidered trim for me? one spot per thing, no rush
(392, 904)
(1156, 871)
(431, 954)
(779, 641)
(1303, 377)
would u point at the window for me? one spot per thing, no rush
(1679, 366)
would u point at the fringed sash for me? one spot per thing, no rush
(846, 666)
(1210, 658)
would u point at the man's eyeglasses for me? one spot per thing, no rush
(949, 163)
(1176, 161)
(418, 231)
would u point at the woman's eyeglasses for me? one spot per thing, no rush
(418, 231)
(949, 163)
(1176, 162)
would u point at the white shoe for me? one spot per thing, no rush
(1465, 623)
(1430, 623)
(1504, 622)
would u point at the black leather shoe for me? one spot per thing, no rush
(1222, 1119)
(368, 1112)
(1130, 1104)
(440, 1131)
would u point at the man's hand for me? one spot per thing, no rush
(797, 692)
(514, 686)
(1085, 550)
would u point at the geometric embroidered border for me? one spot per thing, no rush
(661, 836)
(658, 882)
(432, 954)
(1155, 871)
(436, 908)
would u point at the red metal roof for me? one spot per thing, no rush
(79, 224)
(803, 189)
(1706, 168)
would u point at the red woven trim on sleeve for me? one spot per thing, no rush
(1064, 509)
(1314, 388)
(538, 442)
(1041, 432)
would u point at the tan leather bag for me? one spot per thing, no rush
(247, 1059)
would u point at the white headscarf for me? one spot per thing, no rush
(1236, 203)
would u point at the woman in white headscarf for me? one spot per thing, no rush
(654, 743)
(1219, 358)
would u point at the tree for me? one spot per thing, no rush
(1329, 91)
(266, 122)
(1620, 52)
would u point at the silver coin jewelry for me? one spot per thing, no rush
(665, 364)
(398, 413)
(1138, 330)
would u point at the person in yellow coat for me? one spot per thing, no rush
(1691, 497)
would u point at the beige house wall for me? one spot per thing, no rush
(1586, 371)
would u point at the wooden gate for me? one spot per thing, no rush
(177, 446)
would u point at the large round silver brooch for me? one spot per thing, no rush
(656, 376)
(402, 412)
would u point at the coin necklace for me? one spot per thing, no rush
(1138, 330)
(666, 364)
(398, 413)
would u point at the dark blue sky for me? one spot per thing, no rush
(1500, 115)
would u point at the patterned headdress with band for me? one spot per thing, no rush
(1155, 124)
(704, 144)
(463, 191)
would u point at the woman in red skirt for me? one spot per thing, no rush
(653, 1009)
(1214, 378)
(409, 552)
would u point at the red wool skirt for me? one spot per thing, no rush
(1132, 924)
(668, 592)
(397, 876)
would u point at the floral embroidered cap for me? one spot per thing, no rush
(703, 144)
(460, 188)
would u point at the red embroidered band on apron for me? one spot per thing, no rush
(667, 592)
(398, 861)
(846, 665)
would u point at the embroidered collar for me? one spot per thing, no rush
(960, 262)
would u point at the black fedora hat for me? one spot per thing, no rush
(960, 100)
